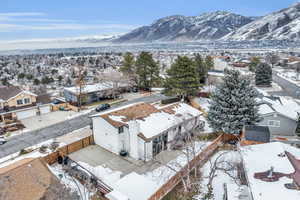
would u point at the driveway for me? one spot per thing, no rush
(16, 143)
(45, 120)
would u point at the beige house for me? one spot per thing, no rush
(16, 103)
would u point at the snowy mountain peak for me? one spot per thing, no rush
(279, 25)
(208, 26)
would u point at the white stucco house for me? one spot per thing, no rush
(143, 130)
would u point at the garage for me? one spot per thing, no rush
(26, 114)
(45, 109)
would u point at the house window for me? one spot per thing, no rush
(20, 101)
(274, 123)
(26, 101)
(121, 129)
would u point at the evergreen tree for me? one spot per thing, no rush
(182, 78)
(263, 75)
(128, 64)
(209, 62)
(254, 63)
(147, 71)
(128, 68)
(298, 126)
(201, 68)
(36, 81)
(233, 104)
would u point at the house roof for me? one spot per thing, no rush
(260, 158)
(257, 133)
(286, 107)
(137, 111)
(7, 92)
(152, 119)
(94, 88)
(28, 179)
(132, 186)
(43, 99)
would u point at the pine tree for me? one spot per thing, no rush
(147, 70)
(201, 68)
(263, 75)
(182, 78)
(128, 64)
(209, 62)
(233, 104)
(254, 63)
(298, 126)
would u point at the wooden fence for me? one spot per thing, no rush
(199, 160)
(70, 148)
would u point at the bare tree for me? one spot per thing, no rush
(80, 84)
(115, 79)
(186, 143)
(220, 163)
(272, 59)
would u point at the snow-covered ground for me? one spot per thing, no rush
(235, 191)
(71, 183)
(289, 75)
(162, 174)
(62, 141)
(275, 88)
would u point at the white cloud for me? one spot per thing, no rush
(22, 14)
(15, 21)
(63, 26)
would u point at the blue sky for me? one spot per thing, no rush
(30, 19)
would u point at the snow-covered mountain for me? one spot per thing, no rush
(208, 26)
(280, 25)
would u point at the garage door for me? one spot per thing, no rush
(26, 113)
(45, 109)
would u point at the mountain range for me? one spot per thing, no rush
(219, 25)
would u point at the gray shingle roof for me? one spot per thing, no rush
(6, 92)
(257, 133)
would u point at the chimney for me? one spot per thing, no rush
(134, 130)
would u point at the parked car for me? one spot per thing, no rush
(102, 107)
(2, 140)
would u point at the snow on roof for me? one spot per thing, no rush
(151, 119)
(265, 109)
(91, 88)
(220, 74)
(105, 174)
(260, 158)
(135, 186)
(283, 106)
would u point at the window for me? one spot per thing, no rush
(20, 101)
(274, 123)
(26, 101)
(121, 129)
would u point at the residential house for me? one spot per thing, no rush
(16, 103)
(272, 171)
(279, 114)
(214, 77)
(93, 93)
(31, 179)
(143, 130)
(253, 134)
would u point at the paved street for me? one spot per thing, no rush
(288, 88)
(28, 139)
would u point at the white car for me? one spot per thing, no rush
(2, 140)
